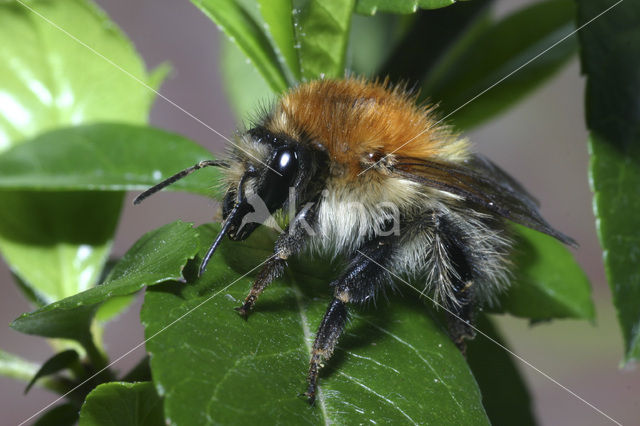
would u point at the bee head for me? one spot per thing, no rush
(266, 170)
(263, 188)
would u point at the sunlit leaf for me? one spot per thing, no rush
(57, 244)
(370, 7)
(105, 157)
(158, 256)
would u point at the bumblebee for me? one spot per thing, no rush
(383, 183)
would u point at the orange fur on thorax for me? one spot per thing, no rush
(356, 120)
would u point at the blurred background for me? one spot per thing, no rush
(541, 141)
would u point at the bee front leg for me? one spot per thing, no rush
(359, 283)
(290, 242)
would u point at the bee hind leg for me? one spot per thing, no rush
(461, 315)
(362, 278)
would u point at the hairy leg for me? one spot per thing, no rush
(359, 282)
(290, 242)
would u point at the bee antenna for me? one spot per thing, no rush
(240, 201)
(177, 177)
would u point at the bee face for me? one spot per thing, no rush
(263, 169)
(360, 158)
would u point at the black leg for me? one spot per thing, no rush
(462, 315)
(461, 303)
(359, 283)
(290, 242)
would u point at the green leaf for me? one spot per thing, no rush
(57, 243)
(60, 415)
(243, 30)
(371, 7)
(17, 368)
(371, 41)
(245, 88)
(105, 157)
(49, 80)
(278, 23)
(611, 62)
(548, 282)
(504, 393)
(323, 34)
(158, 256)
(257, 368)
(494, 54)
(122, 404)
(55, 364)
(414, 56)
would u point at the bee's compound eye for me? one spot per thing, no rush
(286, 163)
(282, 173)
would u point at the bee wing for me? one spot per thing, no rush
(483, 184)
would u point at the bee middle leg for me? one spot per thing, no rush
(290, 242)
(358, 283)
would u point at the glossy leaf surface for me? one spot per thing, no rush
(105, 157)
(49, 80)
(278, 25)
(394, 363)
(122, 404)
(158, 256)
(611, 62)
(370, 7)
(323, 34)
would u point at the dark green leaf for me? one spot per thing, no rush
(243, 30)
(504, 393)
(58, 362)
(417, 53)
(57, 243)
(495, 53)
(122, 404)
(278, 23)
(394, 364)
(370, 7)
(60, 415)
(611, 60)
(548, 282)
(246, 90)
(105, 157)
(323, 33)
(158, 256)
